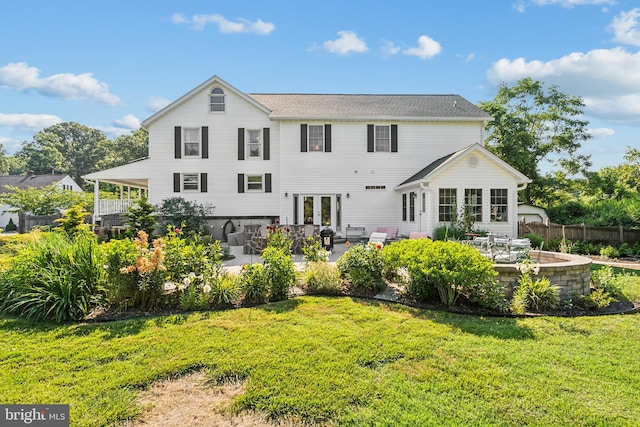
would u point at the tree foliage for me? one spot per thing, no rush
(125, 149)
(42, 201)
(68, 148)
(531, 125)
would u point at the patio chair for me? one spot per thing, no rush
(377, 237)
(501, 251)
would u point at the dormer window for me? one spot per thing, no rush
(216, 99)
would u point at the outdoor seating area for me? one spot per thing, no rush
(256, 235)
(501, 249)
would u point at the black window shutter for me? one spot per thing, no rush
(240, 183)
(266, 144)
(176, 182)
(203, 182)
(205, 142)
(327, 138)
(267, 183)
(303, 138)
(240, 143)
(370, 139)
(177, 141)
(394, 138)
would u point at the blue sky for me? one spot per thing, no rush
(110, 65)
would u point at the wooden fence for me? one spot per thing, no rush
(613, 236)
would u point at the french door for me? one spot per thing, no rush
(318, 210)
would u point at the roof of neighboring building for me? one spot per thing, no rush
(29, 180)
(337, 106)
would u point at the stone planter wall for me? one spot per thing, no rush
(571, 273)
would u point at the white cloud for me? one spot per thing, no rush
(427, 48)
(156, 103)
(608, 80)
(28, 122)
(626, 27)
(521, 5)
(21, 76)
(198, 22)
(129, 121)
(112, 131)
(600, 133)
(347, 42)
(389, 49)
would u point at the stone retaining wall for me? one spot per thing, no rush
(571, 273)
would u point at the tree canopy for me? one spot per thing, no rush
(43, 201)
(531, 125)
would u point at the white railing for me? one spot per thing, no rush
(113, 206)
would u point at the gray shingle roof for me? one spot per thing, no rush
(428, 107)
(428, 169)
(25, 181)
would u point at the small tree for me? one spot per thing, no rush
(72, 221)
(179, 212)
(42, 201)
(142, 216)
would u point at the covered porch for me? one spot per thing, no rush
(131, 183)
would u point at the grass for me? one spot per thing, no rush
(341, 360)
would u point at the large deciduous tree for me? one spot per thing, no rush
(125, 149)
(531, 125)
(68, 148)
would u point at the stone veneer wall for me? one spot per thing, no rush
(571, 273)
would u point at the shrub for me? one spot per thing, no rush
(225, 290)
(253, 283)
(279, 238)
(362, 265)
(72, 221)
(448, 232)
(606, 279)
(142, 216)
(314, 251)
(176, 211)
(279, 271)
(535, 239)
(610, 252)
(184, 254)
(116, 255)
(54, 278)
(446, 270)
(213, 289)
(321, 278)
(597, 299)
(536, 295)
(11, 226)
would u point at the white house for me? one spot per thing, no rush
(31, 180)
(408, 161)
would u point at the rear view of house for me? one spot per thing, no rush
(332, 160)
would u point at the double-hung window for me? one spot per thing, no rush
(316, 137)
(254, 183)
(447, 204)
(383, 138)
(190, 182)
(499, 204)
(254, 144)
(191, 138)
(216, 99)
(473, 203)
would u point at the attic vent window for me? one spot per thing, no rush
(216, 99)
(473, 161)
(375, 187)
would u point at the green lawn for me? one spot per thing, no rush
(349, 361)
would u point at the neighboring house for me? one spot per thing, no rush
(31, 180)
(532, 213)
(411, 161)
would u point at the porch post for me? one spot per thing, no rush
(96, 200)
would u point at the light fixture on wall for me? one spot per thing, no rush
(348, 195)
(286, 194)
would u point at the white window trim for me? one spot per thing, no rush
(493, 205)
(190, 190)
(223, 103)
(248, 189)
(184, 142)
(375, 138)
(322, 142)
(248, 144)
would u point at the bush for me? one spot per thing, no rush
(362, 265)
(605, 279)
(536, 295)
(321, 278)
(314, 251)
(445, 270)
(142, 216)
(72, 221)
(253, 283)
(610, 252)
(184, 254)
(54, 278)
(121, 288)
(178, 212)
(279, 271)
(448, 232)
(11, 226)
(597, 299)
(535, 239)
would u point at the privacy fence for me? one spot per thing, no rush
(613, 236)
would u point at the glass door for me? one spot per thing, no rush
(318, 210)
